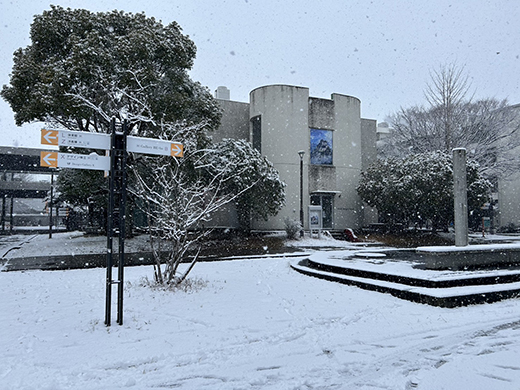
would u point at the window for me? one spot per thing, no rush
(321, 147)
(256, 124)
(326, 202)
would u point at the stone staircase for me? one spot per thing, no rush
(402, 279)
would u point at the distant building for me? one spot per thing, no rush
(508, 212)
(383, 131)
(280, 121)
(222, 93)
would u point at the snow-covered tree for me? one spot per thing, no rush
(176, 204)
(265, 194)
(488, 128)
(83, 68)
(419, 188)
(179, 198)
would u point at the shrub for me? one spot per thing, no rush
(510, 228)
(292, 228)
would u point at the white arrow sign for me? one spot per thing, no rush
(75, 161)
(78, 139)
(51, 137)
(154, 146)
(84, 161)
(177, 149)
(49, 160)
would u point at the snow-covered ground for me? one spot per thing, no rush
(246, 324)
(69, 243)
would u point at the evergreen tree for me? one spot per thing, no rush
(84, 68)
(419, 189)
(262, 193)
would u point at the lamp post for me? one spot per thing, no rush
(301, 154)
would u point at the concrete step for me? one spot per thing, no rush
(451, 292)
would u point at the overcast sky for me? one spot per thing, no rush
(380, 51)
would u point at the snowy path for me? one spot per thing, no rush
(254, 325)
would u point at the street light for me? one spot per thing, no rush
(301, 154)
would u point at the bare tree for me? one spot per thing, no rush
(488, 128)
(178, 198)
(447, 92)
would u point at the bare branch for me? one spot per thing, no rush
(488, 128)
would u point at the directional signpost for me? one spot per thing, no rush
(154, 146)
(75, 161)
(78, 139)
(119, 144)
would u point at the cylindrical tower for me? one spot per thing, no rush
(279, 129)
(285, 121)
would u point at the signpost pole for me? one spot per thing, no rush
(51, 201)
(116, 219)
(122, 221)
(11, 216)
(110, 228)
(301, 154)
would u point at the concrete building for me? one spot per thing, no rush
(280, 121)
(508, 212)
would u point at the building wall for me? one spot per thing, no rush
(368, 142)
(284, 116)
(235, 121)
(368, 156)
(284, 113)
(347, 160)
(287, 116)
(234, 125)
(508, 201)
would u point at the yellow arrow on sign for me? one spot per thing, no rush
(177, 150)
(49, 137)
(49, 159)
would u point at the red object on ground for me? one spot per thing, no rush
(350, 236)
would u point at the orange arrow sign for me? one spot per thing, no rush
(49, 137)
(177, 149)
(76, 139)
(49, 159)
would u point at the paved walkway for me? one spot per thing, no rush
(64, 251)
(73, 250)
(13, 242)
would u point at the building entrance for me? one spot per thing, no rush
(326, 201)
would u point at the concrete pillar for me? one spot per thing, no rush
(460, 196)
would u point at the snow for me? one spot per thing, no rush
(470, 248)
(425, 291)
(74, 243)
(400, 267)
(245, 324)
